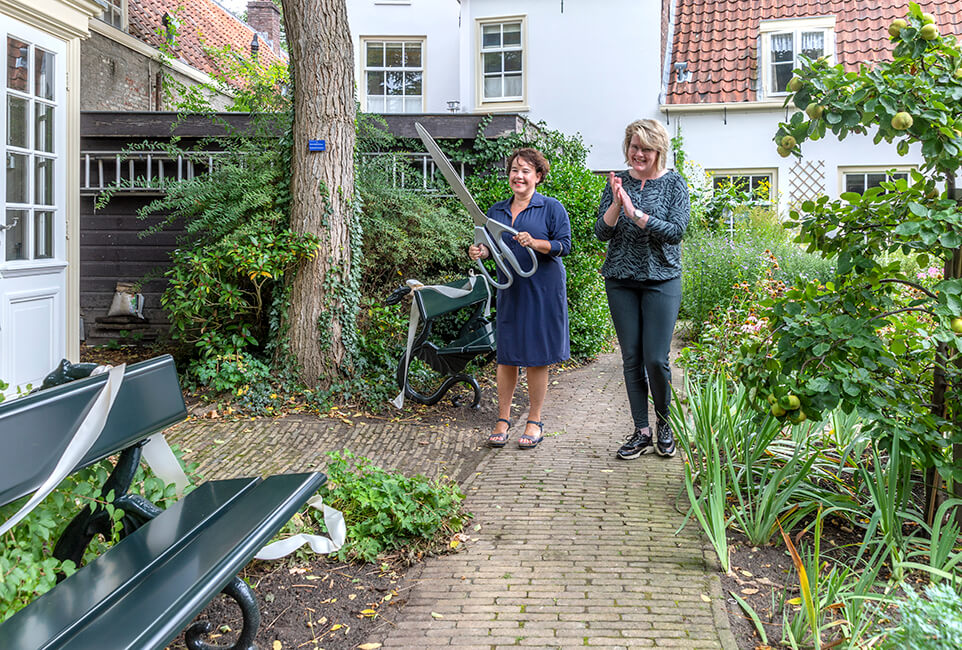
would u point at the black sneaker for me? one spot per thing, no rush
(666, 440)
(636, 444)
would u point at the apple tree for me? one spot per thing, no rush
(875, 337)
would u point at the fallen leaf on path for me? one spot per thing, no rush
(369, 646)
(436, 615)
(749, 591)
(705, 598)
(277, 645)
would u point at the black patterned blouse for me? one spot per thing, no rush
(653, 252)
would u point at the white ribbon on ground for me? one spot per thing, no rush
(161, 459)
(450, 292)
(334, 521)
(80, 443)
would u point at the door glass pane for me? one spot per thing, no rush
(45, 74)
(16, 178)
(17, 121)
(18, 64)
(491, 36)
(43, 138)
(43, 181)
(43, 234)
(16, 226)
(375, 54)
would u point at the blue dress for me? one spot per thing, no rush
(532, 314)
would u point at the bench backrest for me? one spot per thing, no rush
(35, 429)
(432, 303)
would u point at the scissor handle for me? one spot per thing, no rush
(481, 236)
(494, 230)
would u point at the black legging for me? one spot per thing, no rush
(644, 315)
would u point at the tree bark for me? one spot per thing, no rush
(322, 183)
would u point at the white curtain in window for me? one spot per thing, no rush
(781, 43)
(813, 41)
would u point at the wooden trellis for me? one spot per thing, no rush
(806, 181)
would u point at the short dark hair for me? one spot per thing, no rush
(534, 158)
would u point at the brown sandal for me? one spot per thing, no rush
(499, 438)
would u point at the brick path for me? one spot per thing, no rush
(569, 546)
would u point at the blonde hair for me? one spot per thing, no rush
(652, 134)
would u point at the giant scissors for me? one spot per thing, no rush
(486, 231)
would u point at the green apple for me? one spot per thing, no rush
(928, 19)
(783, 152)
(896, 27)
(771, 398)
(901, 121)
(929, 32)
(956, 324)
(794, 84)
(814, 110)
(789, 402)
(797, 417)
(788, 142)
(778, 411)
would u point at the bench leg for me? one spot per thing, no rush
(245, 599)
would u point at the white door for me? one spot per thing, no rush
(33, 238)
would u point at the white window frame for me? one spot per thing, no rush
(517, 103)
(864, 170)
(32, 206)
(365, 40)
(118, 7)
(794, 26)
(771, 173)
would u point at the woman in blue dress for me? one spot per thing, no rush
(532, 314)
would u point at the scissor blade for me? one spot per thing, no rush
(451, 176)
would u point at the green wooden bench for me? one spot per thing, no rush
(473, 338)
(169, 564)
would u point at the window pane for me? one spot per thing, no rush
(375, 55)
(782, 47)
(375, 104)
(855, 183)
(491, 36)
(813, 44)
(43, 137)
(492, 87)
(781, 75)
(18, 64)
(394, 83)
(43, 234)
(512, 34)
(492, 62)
(43, 181)
(873, 180)
(375, 83)
(412, 83)
(16, 226)
(512, 61)
(412, 104)
(899, 175)
(512, 85)
(394, 105)
(16, 178)
(412, 55)
(45, 74)
(17, 121)
(393, 55)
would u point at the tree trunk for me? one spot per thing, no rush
(322, 183)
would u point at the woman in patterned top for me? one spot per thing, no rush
(643, 214)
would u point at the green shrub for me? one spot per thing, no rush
(933, 623)
(387, 512)
(26, 564)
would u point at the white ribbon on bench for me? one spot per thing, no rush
(80, 443)
(161, 459)
(449, 292)
(333, 519)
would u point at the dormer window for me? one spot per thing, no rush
(783, 44)
(115, 13)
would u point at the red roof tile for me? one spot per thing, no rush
(203, 25)
(719, 39)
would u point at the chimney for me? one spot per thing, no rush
(265, 17)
